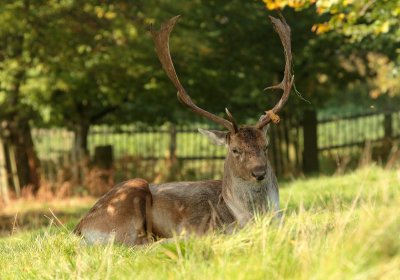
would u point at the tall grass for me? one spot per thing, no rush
(345, 227)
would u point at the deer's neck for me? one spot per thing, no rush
(244, 198)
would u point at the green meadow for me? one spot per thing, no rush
(337, 227)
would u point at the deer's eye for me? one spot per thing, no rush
(236, 152)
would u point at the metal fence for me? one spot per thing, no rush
(147, 152)
(356, 130)
(346, 139)
(138, 152)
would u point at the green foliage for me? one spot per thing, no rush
(370, 32)
(75, 57)
(335, 228)
(357, 19)
(68, 62)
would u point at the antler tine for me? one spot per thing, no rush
(161, 41)
(232, 120)
(283, 30)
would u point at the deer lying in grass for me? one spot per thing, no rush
(134, 212)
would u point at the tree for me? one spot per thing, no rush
(371, 28)
(65, 63)
(93, 72)
(357, 19)
(15, 65)
(231, 45)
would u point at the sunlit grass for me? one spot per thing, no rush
(334, 228)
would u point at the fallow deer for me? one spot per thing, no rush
(133, 210)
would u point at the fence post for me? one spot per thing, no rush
(387, 142)
(310, 152)
(387, 123)
(103, 157)
(172, 151)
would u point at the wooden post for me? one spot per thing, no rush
(387, 142)
(103, 157)
(99, 178)
(172, 153)
(388, 125)
(310, 152)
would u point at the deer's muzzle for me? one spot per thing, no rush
(259, 173)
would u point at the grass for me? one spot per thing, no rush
(343, 227)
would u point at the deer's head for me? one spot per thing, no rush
(247, 150)
(247, 145)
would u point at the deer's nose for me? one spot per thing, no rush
(258, 173)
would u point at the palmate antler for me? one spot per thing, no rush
(161, 40)
(283, 30)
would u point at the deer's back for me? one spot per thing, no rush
(194, 207)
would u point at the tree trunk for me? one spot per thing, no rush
(16, 120)
(80, 150)
(27, 163)
(310, 153)
(3, 175)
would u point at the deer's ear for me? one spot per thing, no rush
(266, 129)
(215, 136)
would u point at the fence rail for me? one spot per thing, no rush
(357, 129)
(145, 152)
